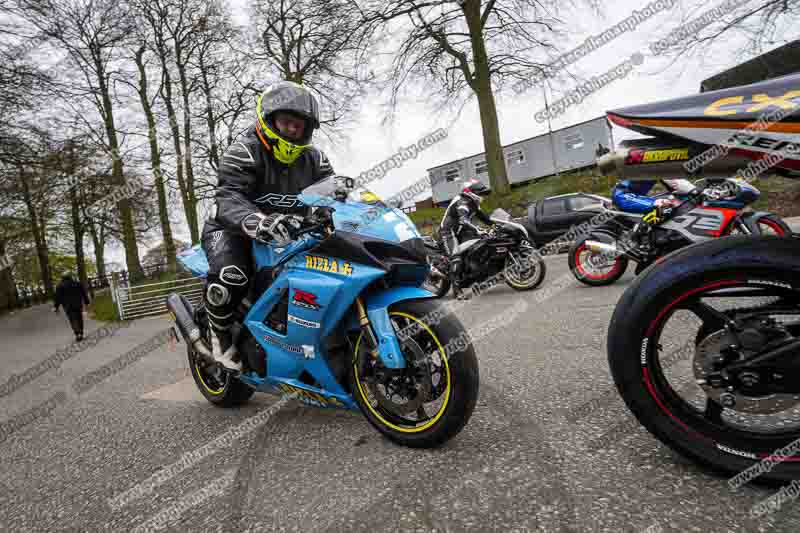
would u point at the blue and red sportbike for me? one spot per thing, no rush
(339, 319)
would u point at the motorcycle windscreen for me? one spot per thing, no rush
(370, 218)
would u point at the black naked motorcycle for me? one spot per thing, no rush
(704, 346)
(505, 249)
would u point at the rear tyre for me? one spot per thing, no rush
(580, 260)
(433, 399)
(217, 385)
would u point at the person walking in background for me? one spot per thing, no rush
(71, 295)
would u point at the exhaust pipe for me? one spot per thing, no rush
(183, 312)
(603, 248)
(652, 161)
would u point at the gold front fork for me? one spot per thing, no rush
(363, 320)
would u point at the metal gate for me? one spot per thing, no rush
(151, 299)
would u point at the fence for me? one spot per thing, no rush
(149, 299)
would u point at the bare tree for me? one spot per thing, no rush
(323, 44)
(761, 24)
(93, 33)
(155, 153)
(470, 47)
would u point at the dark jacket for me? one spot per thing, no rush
(251, 181)
(71, 295)
(459, 215)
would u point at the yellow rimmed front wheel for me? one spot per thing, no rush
(430, 400)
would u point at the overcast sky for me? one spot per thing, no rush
(655, 79)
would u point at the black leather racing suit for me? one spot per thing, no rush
(250, 181)
(457, 227)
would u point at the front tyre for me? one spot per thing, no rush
(524, 270)
(432, 399)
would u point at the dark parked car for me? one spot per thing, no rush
(550, 218)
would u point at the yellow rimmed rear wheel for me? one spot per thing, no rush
(215, 384)
(431, 400)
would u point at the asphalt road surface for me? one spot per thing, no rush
(525, 462)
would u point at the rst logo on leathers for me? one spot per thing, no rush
(278, 200)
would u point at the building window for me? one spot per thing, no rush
(452, 174)
(481, 167)
(515, 157)
(573, 141)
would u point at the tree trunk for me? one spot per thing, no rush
(78, 230)
(482, 86)
(176, 139)
(118, 176)
(212, 127)
(8, 290)
(155, 159)
(191, 209)
(98, 240)
(42, 253)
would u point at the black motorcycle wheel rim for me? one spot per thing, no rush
(717, 426)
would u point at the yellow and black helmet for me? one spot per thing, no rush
(291, 98)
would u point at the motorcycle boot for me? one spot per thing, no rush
(220, 319)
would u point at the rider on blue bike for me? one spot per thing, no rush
(260, 177)
(632, 195)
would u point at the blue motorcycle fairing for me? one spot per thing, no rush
(302, 348)
(378, 312)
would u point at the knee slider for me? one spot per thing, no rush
(217, 294)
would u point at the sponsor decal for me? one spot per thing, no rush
(305, 299)
(737, 452)
(302, 322)
(767, 143)
(311, 397)
(765, 282)
(279, 343)
(325, 264)
(733, 105)
(639, 156)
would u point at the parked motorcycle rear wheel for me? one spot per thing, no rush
(578, 263)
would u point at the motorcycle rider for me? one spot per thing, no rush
(632, 196)
(260, 176)
(457, 227)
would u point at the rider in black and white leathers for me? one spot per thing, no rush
(457, 226)
(260, 177)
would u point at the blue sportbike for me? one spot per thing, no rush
(339, 319)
